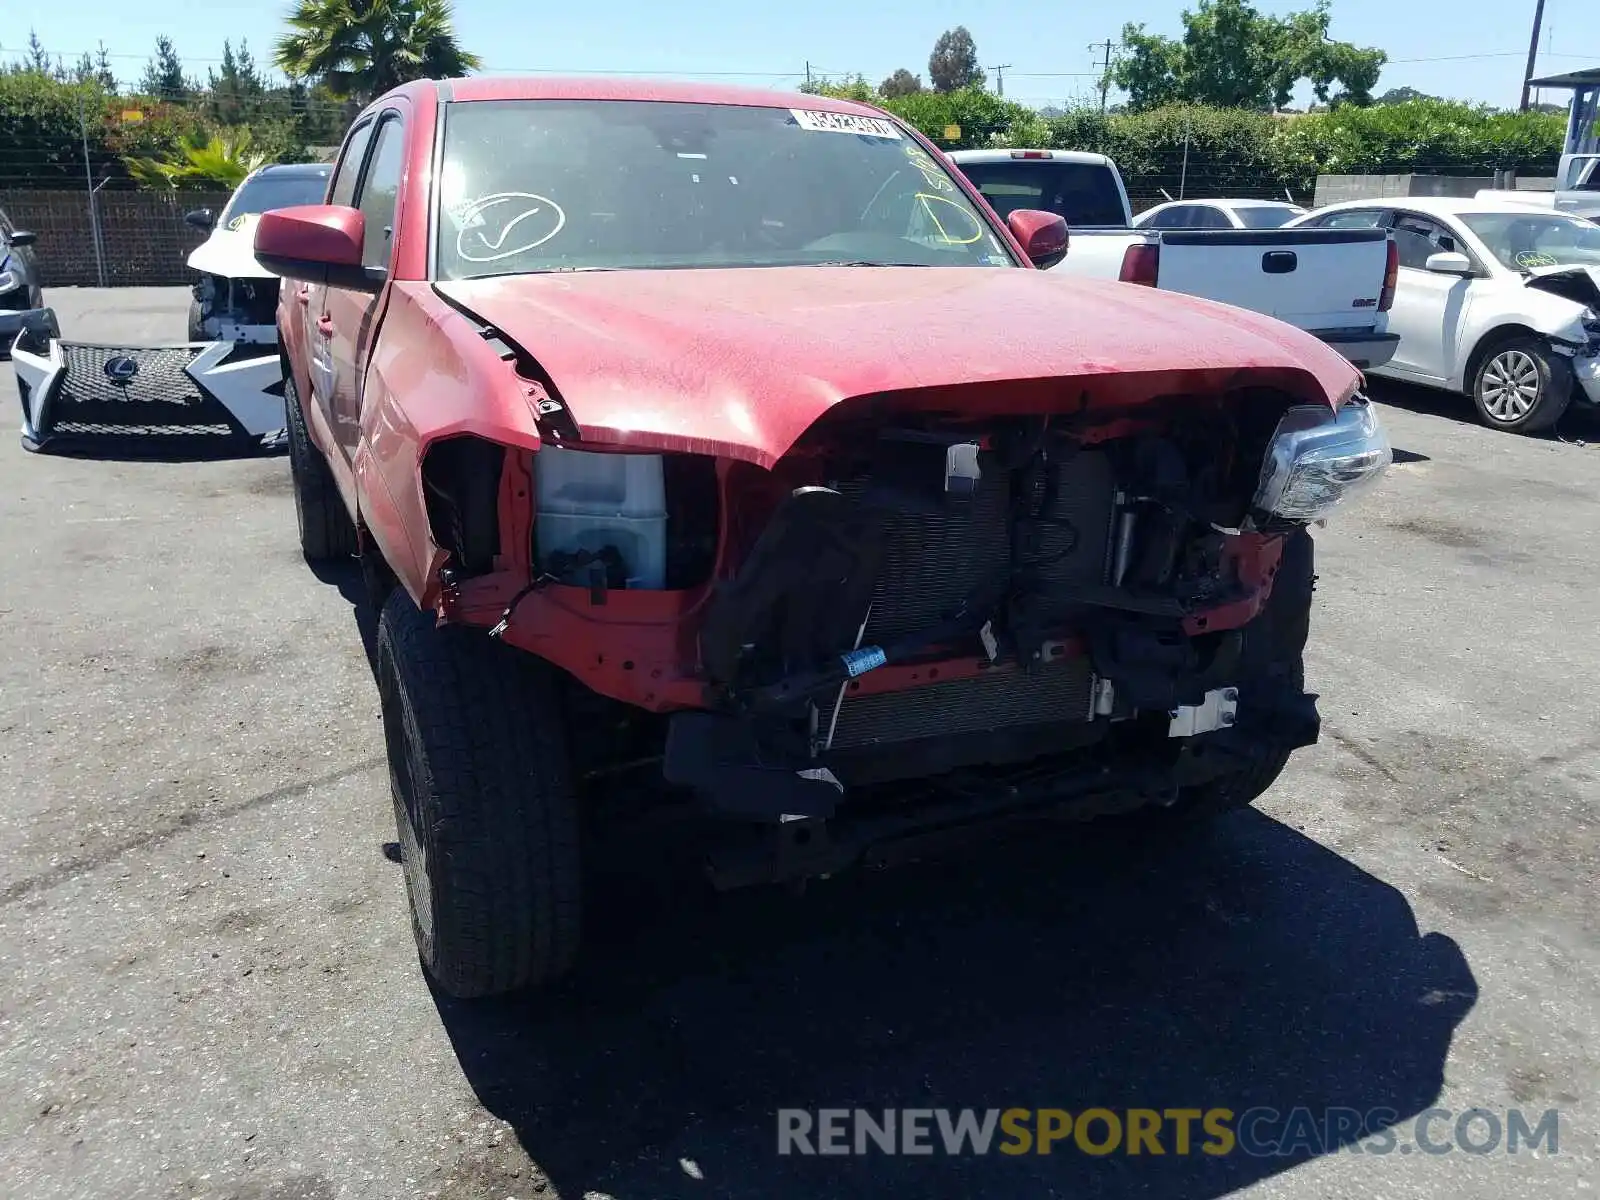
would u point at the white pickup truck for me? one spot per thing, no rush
(1335, 283)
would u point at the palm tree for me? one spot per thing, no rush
(211, 158)
(361, 48)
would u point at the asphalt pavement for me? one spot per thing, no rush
(208, 987)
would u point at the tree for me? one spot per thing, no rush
(163, 74)
(96, 67)
(1403, 95)
(901, 83)
(361, 48)
(235, 91)
(1232, 56)
(37, 59)
(954, 62)
(210, 160)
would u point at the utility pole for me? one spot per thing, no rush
(1533, 52)
(1105, 69)
(808, 68)
(1000, 78)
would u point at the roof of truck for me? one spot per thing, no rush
(601, 87)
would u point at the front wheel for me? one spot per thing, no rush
(483, 803)
(1272, 666)
(1521, 387)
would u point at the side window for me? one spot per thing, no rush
(344, 182)
(379, 189)
(1417, 238)
(1207, 216)
(1359, 218)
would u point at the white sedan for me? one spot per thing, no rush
(1496, 300)
(1218, 214)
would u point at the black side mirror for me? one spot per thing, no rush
(200, 218)
(21, 238)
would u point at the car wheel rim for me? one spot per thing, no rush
(1510, 386)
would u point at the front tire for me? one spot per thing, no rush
(1272, 665)
(326, 531)
(197, 325)
(1520, 387)
(483, 804)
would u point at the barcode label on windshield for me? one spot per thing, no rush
(830, 122)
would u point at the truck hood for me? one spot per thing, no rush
(741, 362)
(1579, 284)
(230, 251)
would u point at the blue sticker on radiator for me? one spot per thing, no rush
(868, 658)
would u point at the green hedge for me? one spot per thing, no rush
(1220, 151)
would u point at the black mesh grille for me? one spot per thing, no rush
(933, 562)
(1000, 700)
(132, 391)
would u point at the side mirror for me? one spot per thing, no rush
(317, 243)
(200, 218)
(1043, 235)
(1448, 262)
(21, 237)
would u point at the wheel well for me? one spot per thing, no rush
(1500, 333)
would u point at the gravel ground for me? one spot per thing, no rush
(209, 988)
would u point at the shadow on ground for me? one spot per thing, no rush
(1250, 967)
(1242, 967)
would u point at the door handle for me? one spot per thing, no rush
(303, 294)
(325, 326)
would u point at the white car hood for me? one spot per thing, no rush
(230, 251)
(1581, 285)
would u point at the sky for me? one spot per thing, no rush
(1469, 49)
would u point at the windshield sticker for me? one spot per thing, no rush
(830, 122)
(1529, 259)
(488, 222)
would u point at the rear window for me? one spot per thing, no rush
(271, 190)
(1085, 194)
(1266, 216)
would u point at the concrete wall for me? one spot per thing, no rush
(142, 234)
(1331, 189)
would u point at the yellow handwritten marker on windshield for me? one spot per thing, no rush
(944, 236)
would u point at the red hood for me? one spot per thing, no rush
(741, 362)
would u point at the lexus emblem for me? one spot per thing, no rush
(121, 369)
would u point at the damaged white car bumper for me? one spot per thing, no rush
(77, 393)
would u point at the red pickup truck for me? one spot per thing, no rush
(723, 451)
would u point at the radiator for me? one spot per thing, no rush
(933, 562)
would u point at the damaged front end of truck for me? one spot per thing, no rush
(936, 609)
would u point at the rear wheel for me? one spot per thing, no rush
(1521, 387)
(197, 326)
(483, 804)
(326, 530)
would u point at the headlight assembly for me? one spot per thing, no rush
(1316, 459)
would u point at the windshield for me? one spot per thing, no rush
(546, 185)
(1266, 216)
(271, 190)
(1524, 242)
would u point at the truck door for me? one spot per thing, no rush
(312, 297)
(348, 315)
